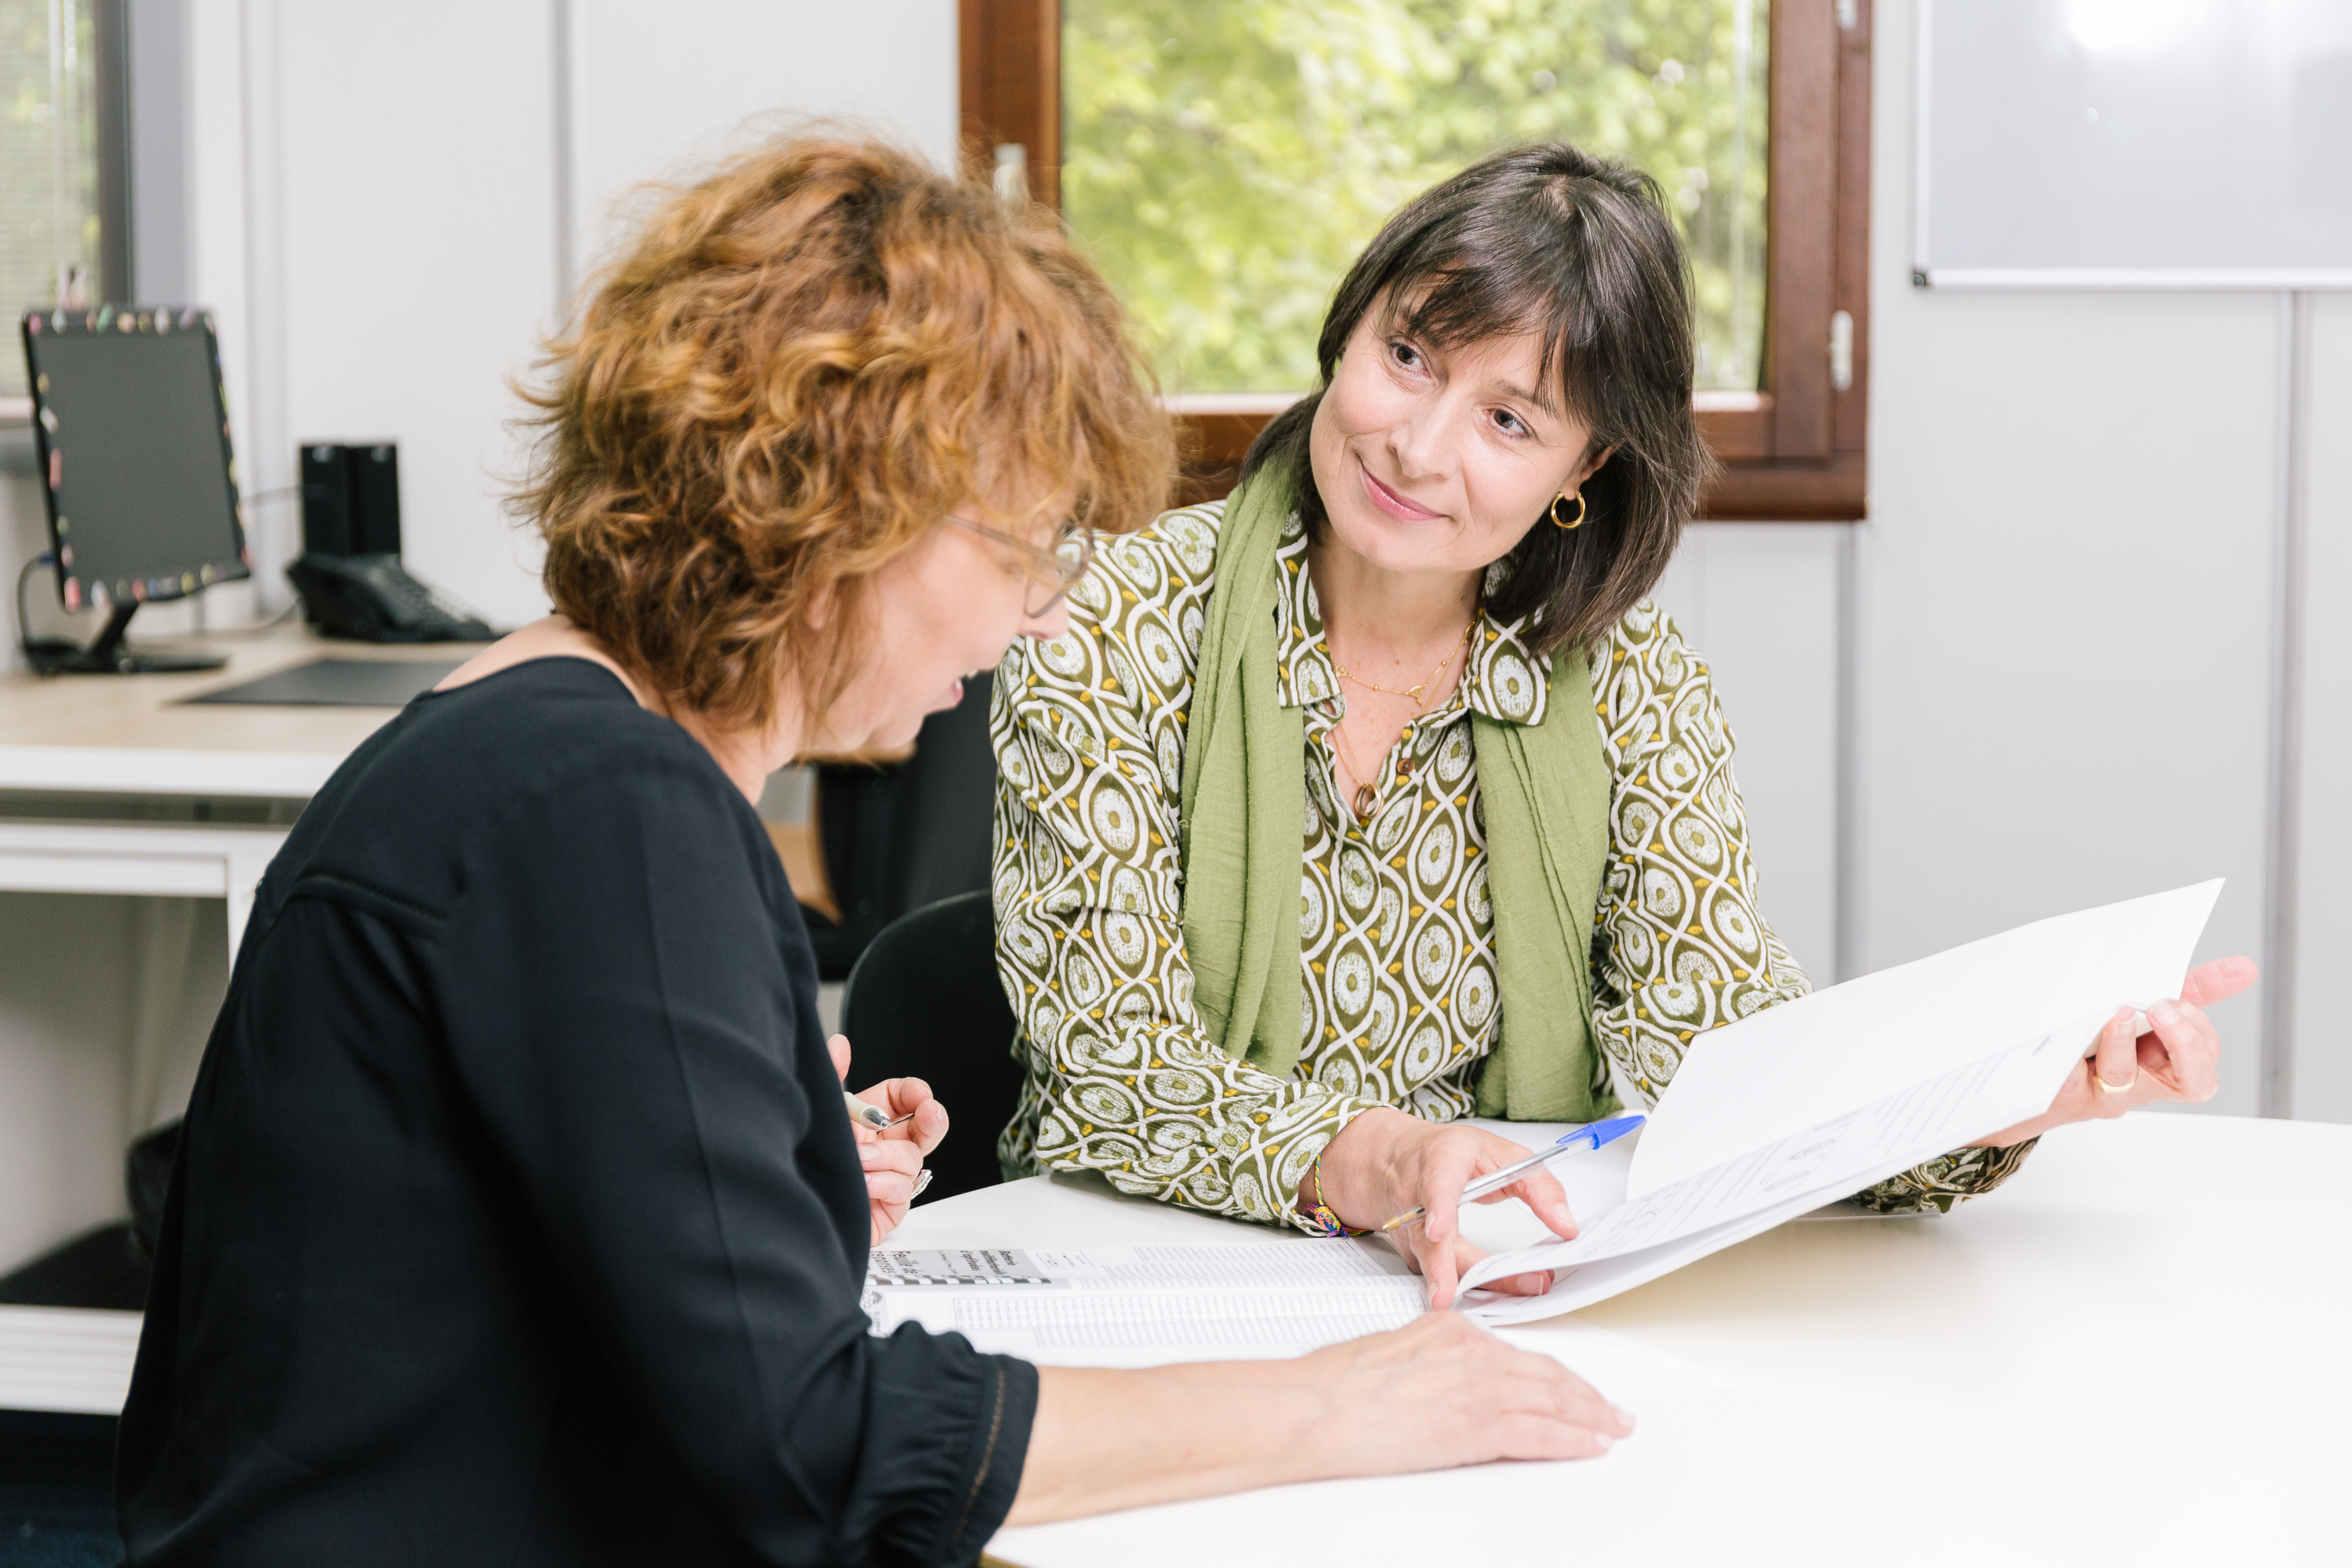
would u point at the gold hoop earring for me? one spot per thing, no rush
(1559, 521)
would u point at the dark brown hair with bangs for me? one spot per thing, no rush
(1578, 251)
(797, 370)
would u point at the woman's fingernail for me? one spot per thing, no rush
(1605, 1440)
(2164, 1013)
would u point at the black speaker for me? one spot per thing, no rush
(351, 498)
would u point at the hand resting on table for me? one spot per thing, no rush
(1438, 1393)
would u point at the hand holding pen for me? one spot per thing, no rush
(1386, 1161)
(896, 1122)
(1592, 1135)
(872, 1116)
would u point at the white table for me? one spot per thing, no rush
(2137, 1353)
(2133, 1353)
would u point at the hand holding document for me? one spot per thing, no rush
(1779, 1114)
(1820, 1098)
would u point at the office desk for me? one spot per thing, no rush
(2137, 1353)
(109, 785)
(98, 735)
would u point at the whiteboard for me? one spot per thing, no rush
(2134, 143)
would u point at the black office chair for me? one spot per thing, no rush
(924, 1002)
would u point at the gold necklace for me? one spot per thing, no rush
(1367, 799)
(1435, 676)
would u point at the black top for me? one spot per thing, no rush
(517, 1220)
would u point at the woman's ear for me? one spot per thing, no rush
(1590, 467)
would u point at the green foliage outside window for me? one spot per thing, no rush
(1225, 160)
(48, 168)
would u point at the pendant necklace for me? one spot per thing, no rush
(1367, 797)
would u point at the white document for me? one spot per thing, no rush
(1820, 1098)
(1767, 1119)
(1145, 1306)
(1148, 1306)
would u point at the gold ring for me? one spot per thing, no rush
(2105, 1088)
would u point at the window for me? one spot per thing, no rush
(55, 153)
(1223, 160)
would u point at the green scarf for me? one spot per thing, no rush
(1244, 801)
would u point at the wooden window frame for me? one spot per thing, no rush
(1793, 452)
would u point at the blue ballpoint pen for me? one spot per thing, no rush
(1591, 1136)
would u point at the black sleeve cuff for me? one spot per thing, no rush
(947, 1436)
(1000, 1448)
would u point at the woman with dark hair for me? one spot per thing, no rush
(1305, 846)
(517, 1218)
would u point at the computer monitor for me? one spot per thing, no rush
(132, 432)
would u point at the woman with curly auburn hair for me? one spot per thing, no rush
(515, 1219)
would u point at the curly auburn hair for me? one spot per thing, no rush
(804, 364)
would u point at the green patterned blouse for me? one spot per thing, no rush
(1397, 932)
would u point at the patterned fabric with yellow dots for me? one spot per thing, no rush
(1396, 928)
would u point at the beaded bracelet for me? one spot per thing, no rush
(1318, 1212)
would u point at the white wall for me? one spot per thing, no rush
(2323, 1029)
(2065, 605)
(1763, 604)
(663, 92)
(417, 245)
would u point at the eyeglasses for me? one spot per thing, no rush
(1051, 573)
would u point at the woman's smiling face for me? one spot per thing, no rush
(1432, 459)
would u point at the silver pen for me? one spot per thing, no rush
(866, 1115)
